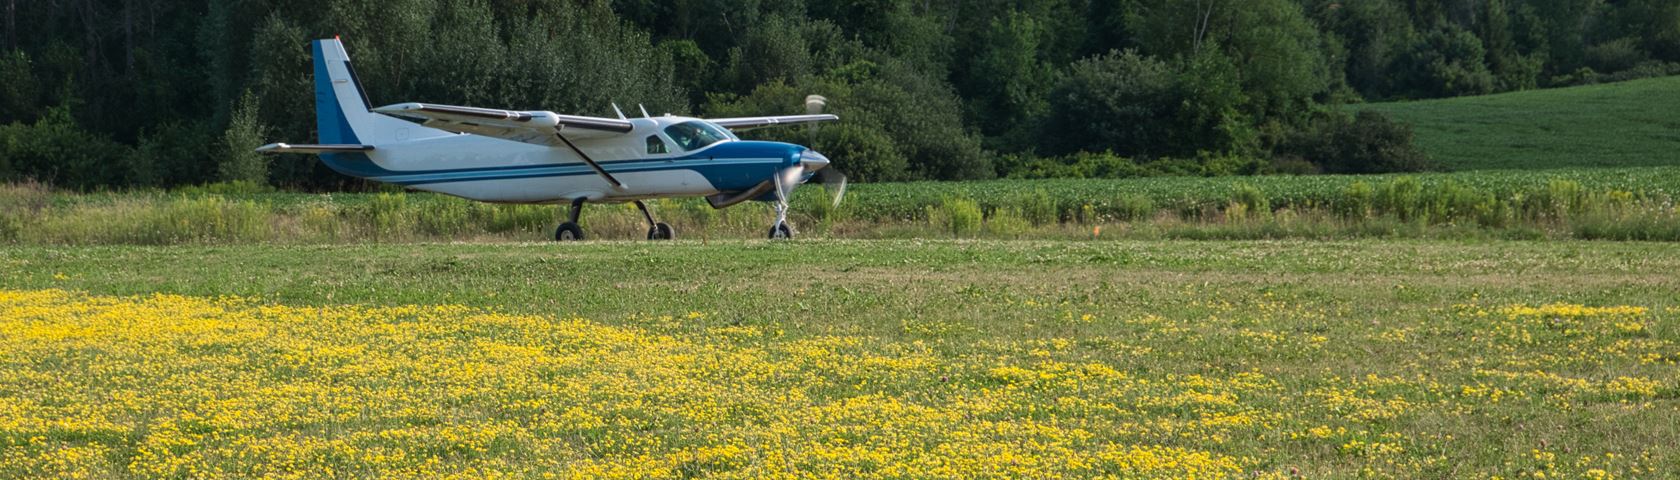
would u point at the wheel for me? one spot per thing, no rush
(568, 232)
(661, 231)
(781, 232)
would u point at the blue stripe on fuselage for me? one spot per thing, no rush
(728, 166)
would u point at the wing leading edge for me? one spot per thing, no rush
(533, 127)
(749, 123)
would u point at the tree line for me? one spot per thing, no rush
(118, 93)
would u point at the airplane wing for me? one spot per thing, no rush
(533, 127)
(544, 128)
(749, 123)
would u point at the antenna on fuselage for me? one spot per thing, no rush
(619, 112)
(644, 111)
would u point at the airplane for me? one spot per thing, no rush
(542, 157)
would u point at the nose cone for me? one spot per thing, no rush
(812, 161)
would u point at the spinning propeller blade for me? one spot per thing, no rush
(834, 183)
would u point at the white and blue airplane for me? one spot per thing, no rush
(543, 157)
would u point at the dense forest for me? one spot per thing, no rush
(115, 93)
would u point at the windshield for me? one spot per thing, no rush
(694, 135)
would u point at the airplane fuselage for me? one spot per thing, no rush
(495, 170)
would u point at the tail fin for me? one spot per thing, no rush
(343, 114)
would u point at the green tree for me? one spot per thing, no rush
(1281, 53)
(1444, 63)
(1007, 84)
(240, 161)
(1120, 102)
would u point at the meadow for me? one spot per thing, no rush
(842, 359)
(1618, 204)
(1623, 124)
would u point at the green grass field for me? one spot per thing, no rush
(1625, 124)
(1634, 203)
(908, 359)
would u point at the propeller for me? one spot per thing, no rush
(832, 180)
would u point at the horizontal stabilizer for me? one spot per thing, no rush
(274, 148)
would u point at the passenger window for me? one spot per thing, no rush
(655, 145)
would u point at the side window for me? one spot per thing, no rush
(655, 145)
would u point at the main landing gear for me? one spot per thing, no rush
(656, 230)
(570, 231)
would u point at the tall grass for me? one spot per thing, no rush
(1397, 206)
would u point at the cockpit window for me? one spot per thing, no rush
(655, 145)
(694, 135)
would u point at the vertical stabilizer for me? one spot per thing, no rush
(343, 114)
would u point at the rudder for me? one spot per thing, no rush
(343, 113)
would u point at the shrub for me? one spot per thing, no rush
(446, 217)
(1355, 201)
(387, 214)
(1132, 207)
(1615, 55)
(818, 205)
(57, 151)
(211, 219)
(1252, 200)
(1401, 198)
(958, 216)
(21, 204)
(1037, 208)
(1007, 222)
(1555, 200)
(1368, 142)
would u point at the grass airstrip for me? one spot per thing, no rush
(843, 359)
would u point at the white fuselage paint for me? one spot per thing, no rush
(463, 152)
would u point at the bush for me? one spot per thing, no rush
(1251, 200)
(1007, 222)
(1356, 201)
(1037, 208)
(1615, 55)
(1367, 142)
(446, 217)
(20, 205)
(1401, 198)
(958, 216)
(1555, 200)
(387, 214)
(57, 151)
(211, 219)
(1132, 207)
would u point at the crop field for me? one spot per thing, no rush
(842, 359)
(1623, 124)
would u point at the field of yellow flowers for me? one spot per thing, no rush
(843, 360)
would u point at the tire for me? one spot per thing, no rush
(661, 231)
(781, 232)
(568, 232)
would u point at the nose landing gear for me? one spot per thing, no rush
(781, 230)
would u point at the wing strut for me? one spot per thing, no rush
(590, 161)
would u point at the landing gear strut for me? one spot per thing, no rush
(656, 230)
(781, 230)
(569, 231)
